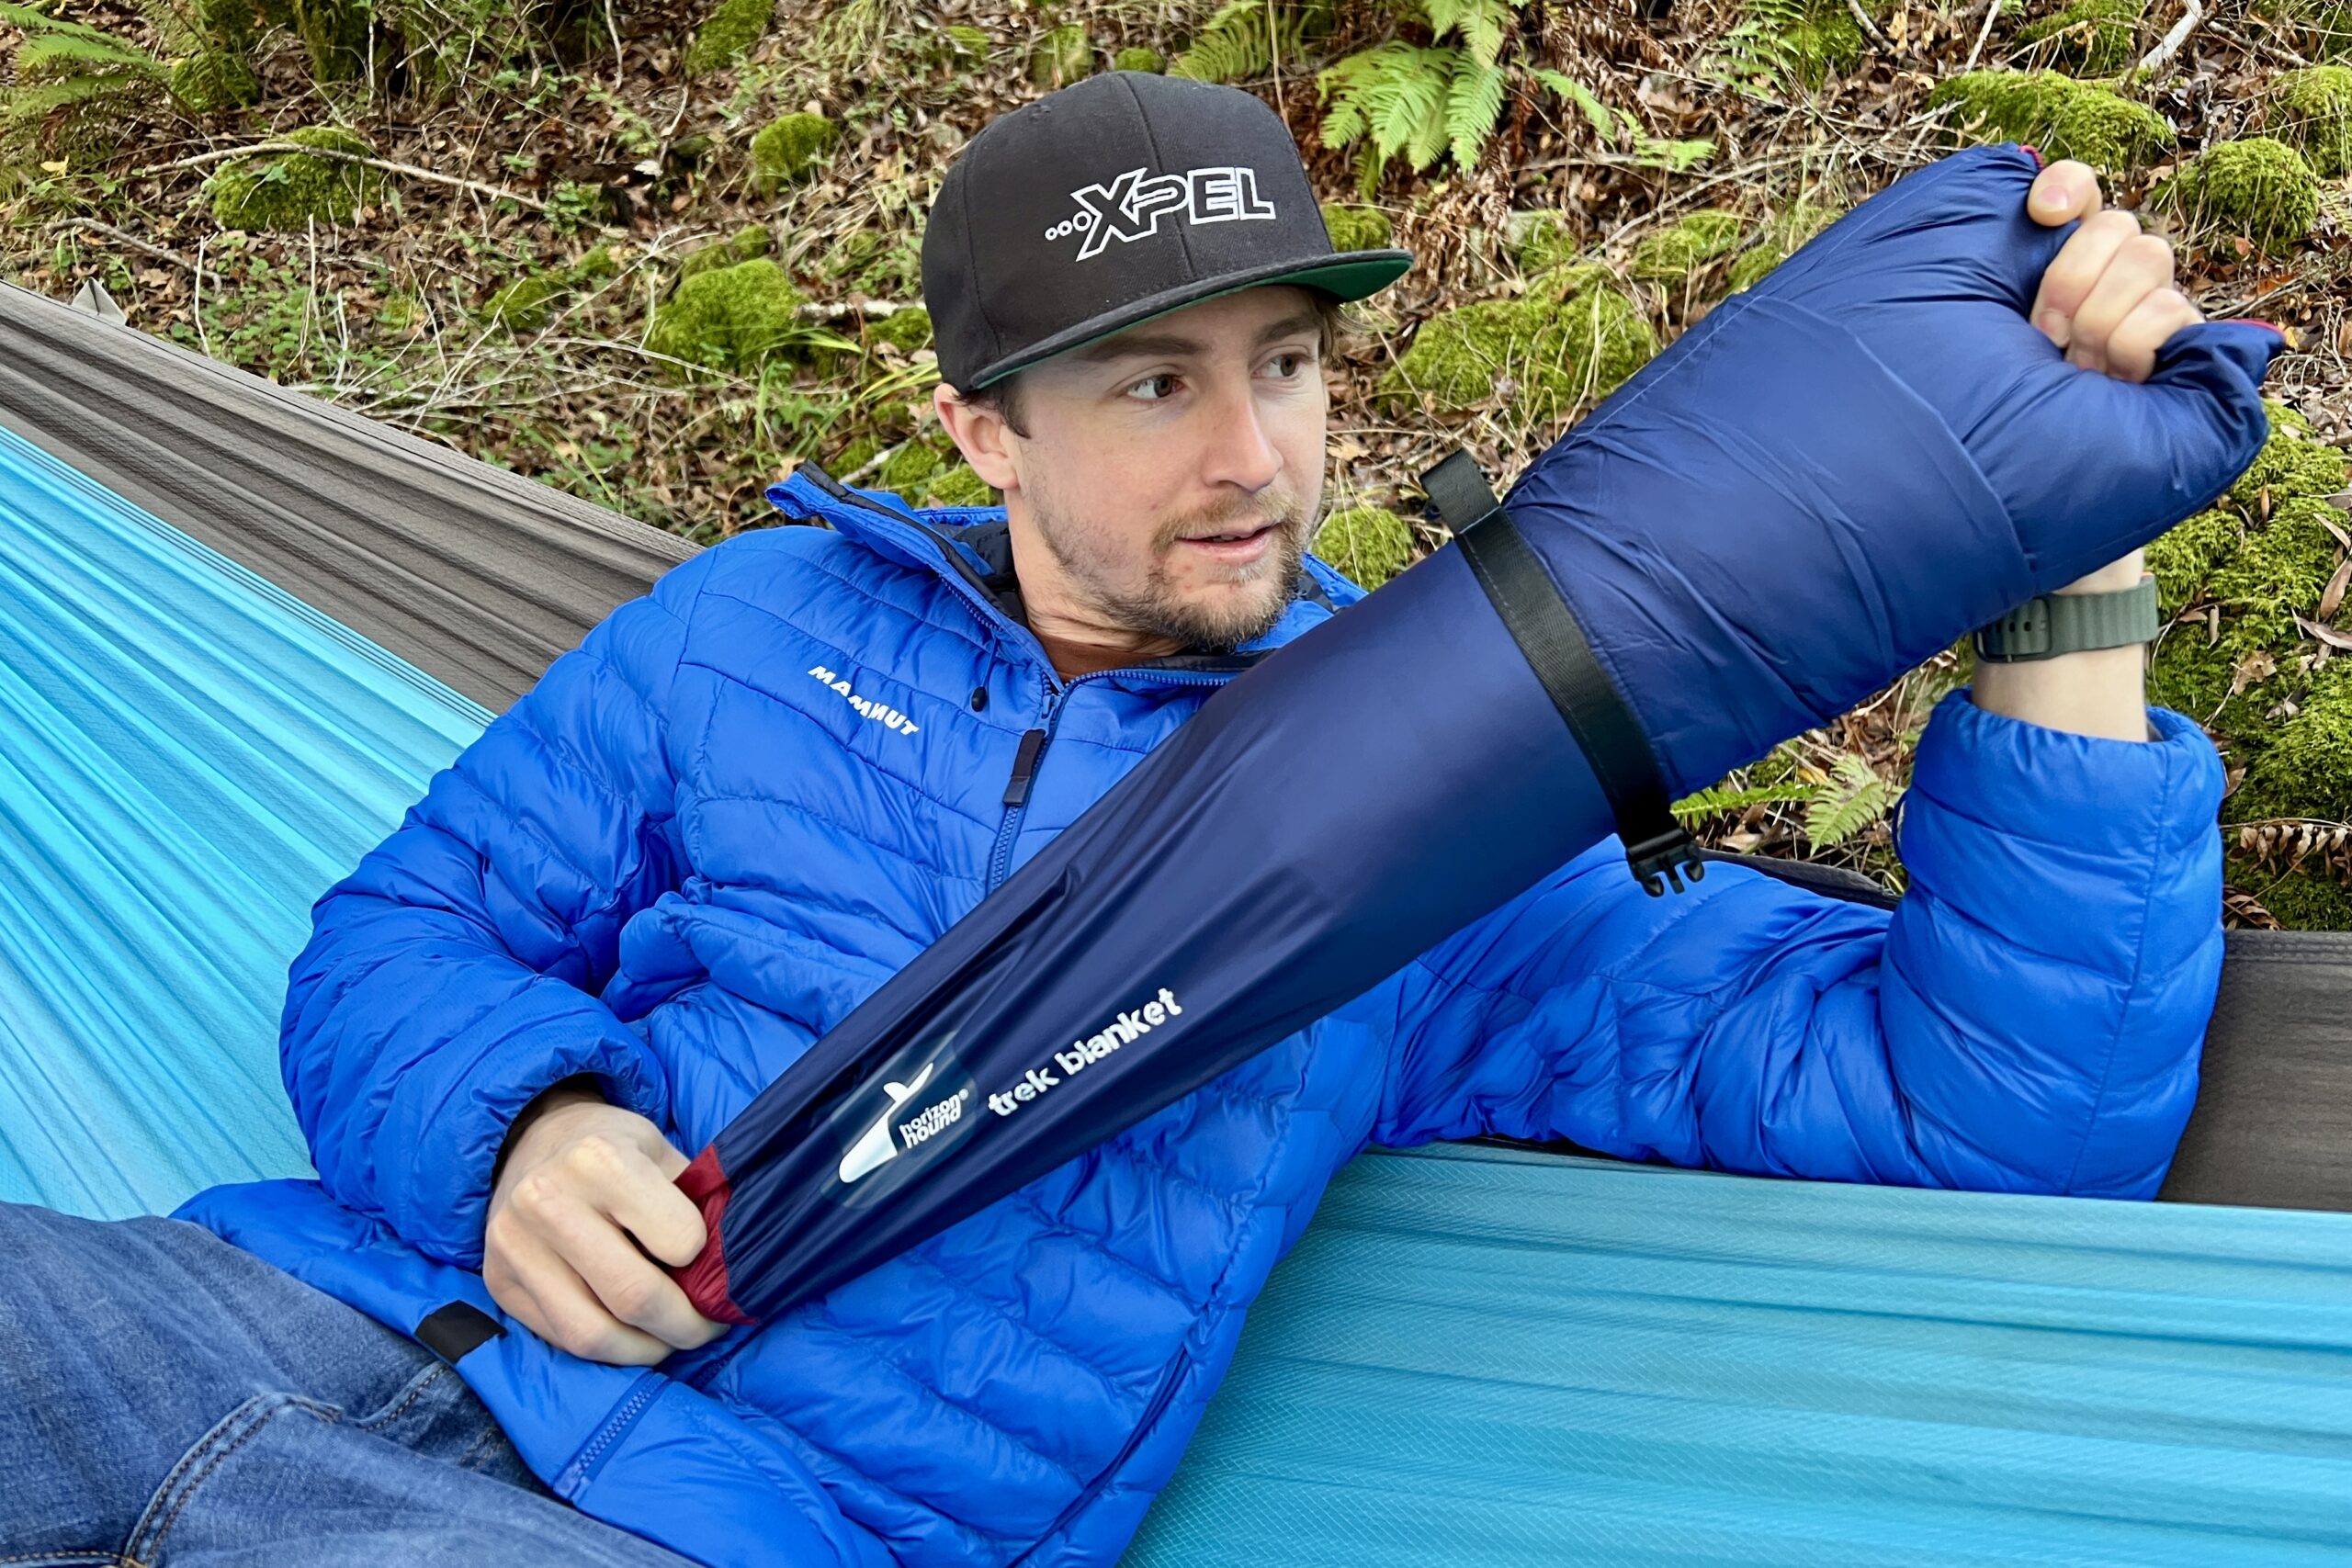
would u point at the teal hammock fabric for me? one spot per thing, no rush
(188, 756)
(1486, 1357)
(1477, 1357)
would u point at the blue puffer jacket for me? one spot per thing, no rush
(751, 796)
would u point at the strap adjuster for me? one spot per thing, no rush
(1537, 616)
(1665, 858)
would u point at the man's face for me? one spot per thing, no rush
(1171, 474)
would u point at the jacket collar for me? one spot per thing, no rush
(971, 549)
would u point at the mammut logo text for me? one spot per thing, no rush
(1131, 206)
(887, 717)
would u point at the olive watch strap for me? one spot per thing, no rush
(2053, 624)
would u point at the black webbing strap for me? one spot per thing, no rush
(1521, 591)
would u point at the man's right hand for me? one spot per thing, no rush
(584, 1195)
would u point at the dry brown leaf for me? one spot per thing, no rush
(2330, 601)
(2253, 668)
(2327, 635)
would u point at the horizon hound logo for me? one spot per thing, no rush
(1131, 206)
(876, 1147)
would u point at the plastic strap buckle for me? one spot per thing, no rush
(1540, 622)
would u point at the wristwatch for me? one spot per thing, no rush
(2071, 623)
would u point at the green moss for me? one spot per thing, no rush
(2100, 36)
(854, 457)
(1827, 44)
(910, 329)
(1753, 265)
(1367, 544)
(1137, 58)
(2064, 118)
(1606, 335)
(2257, 187)
(970, 42)
(212, 80)
(730, 318)
(2246, 570)
(1546, 240)
(285, 191)
(958, 486)
(1558, 285)
(747, 243)
(1064, 55)
(727, 34)
(790, 150)
(2307, 769)
(1356, 228)
(907, 469)
(334, 34)
(524, 304)
(1671, 256)
(2300, 902)
(2312, 111)
(1545, 357)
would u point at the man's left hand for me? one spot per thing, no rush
(2108, 298)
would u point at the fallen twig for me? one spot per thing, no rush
(1992, 15)
(2162, 54)
(1862, 20)
(836, 311)
(496, 193)
(119, 237)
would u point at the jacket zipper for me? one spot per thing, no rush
(1031, 753)
(1143, 1424)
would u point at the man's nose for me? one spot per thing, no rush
(1238, 449)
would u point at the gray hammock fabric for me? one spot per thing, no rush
(477, 577)
(480, 577)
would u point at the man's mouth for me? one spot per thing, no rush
(1233, 536)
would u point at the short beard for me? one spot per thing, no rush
(1158, 610)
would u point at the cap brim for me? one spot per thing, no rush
(1349, 275)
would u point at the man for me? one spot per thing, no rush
(752, 796)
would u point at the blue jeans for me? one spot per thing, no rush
(170, 1402)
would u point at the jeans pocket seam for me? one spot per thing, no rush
(208, 1453)
(406, 1397)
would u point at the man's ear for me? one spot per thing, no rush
(980, 435)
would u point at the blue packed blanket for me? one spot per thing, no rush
(1828, 479)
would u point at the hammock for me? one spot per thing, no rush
(228, 662)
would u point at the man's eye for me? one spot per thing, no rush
(1160, 385)
(1286, 365)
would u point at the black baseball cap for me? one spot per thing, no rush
(1116, 199)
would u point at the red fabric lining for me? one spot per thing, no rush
(704, 1280)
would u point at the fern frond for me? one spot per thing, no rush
(1241, 38)
(1395, 95)
(1481, 25)
(1473, 102)
(56, 55)
(1604, 123)
(1854, 798)
(1716, 800)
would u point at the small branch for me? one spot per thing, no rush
(1992, 15)
(839, 312)
(410, 170)
(133, 241)
(2162, 54)
(1862, 19)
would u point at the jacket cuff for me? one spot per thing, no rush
(2017, 825)
(449, 1116)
